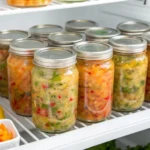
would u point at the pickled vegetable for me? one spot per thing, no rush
(147, 94)
(28, 3)
(129, 81)
(2, 115)
(95, 90)
(5, 135)
(54, 98)
(3, 73)
(19, 77)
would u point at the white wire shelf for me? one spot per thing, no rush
(82, 135)
(9, 10)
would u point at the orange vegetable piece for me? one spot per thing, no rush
(5, 135)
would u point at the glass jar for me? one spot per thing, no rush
(20, 64)
(79, 26)
(6, 37)
(64, 39)
(96, 74)
(42, 31)
(101, 35)
(133, 28)
(54, 89)
(146, 36)
(28, 3)
(130, 72)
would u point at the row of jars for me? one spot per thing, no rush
(54, 93)
(58, 91)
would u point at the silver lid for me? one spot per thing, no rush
(54, 57)
(133, 26)
(101, 33)
(79, 25)
(146, 36)
(26, 47)
(93, 51)
(64, 38)
(42, 31)
(6, 36)
(126, 44)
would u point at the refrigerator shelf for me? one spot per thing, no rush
(9, 10)
(82, 135)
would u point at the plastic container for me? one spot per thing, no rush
(64, 39)
(96, 74)
(101, 35)
(6, 37)
(146, 36)
(20, 64)
(54, 89)
(42, 31)
(133, 28)
(131, 62)
(28, 3)
(16, 137)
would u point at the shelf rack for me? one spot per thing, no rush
(8, 10)
(82, 135)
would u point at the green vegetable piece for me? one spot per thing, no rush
(41, 73)
(142, 82)
(2, 66)
(36, 83)
(45, 106)
(56, 77)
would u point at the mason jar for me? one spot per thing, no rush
(130, 72)
(54, 89)
(28, 3)
(146, 36)
(96, 75)
(42, 31)
(133, 28)
(20, 64)
(64, 39)
(101, 35)
(6, 36)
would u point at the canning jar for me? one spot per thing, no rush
(96, 74)
(64, 39)
(20, 64)
(130, 72)
(133, 28)
(42, 31)
(54, 89)
(28, 3)
(146, 36)
(101, 35)
(6, 37)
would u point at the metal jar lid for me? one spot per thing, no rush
(64, 39)
(6, 36)
(54, 57)
(126, 44)
(133, 27)
(101, 33)
(42, 31)
(79, 25)
(26, 47)
(146, 36)
(93, 51)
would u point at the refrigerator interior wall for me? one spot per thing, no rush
(108, 15)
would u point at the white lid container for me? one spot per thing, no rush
(16, 137)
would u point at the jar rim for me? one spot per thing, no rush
(127, 44)
(54, 57)
(90, 50)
